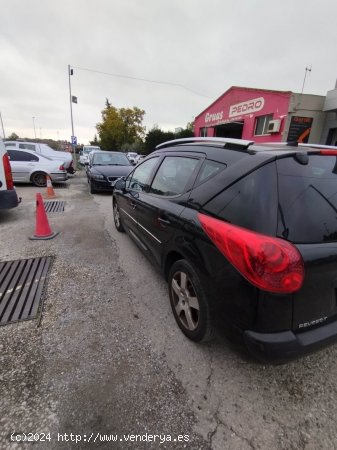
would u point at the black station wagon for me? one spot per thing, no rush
(246, 236)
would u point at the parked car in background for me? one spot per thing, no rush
(84, 153)
(132, 156)
(140, 158)
(30, 167)
(245, 234)
(90, 156)
(104, 168)
(44, 150)
(8, 195)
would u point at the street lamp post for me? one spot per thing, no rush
(307, 69)
(34, 126)
(70, 72)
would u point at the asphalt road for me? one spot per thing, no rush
(108, 358)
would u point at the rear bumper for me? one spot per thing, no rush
(8, 199)
(59, 176)
(287, 345)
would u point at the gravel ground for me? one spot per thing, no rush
(89, 367)
(108, 357)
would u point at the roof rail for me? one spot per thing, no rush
(332, 147)
(237, 142)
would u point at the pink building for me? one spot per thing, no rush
(263, 116)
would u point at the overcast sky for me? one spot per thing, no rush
(205, 46)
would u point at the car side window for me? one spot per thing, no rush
(28, 147)
(17, 155)
(209, 169)
(12, 154)
(173, 175)
(247, 202)
(138, 178)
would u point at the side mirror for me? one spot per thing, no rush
(120, 185)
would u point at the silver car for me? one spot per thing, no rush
(44, 150)
(29, 167)
(132, 156)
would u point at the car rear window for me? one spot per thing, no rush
(307, 210)
(28, 147)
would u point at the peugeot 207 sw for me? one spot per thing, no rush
(246, 236)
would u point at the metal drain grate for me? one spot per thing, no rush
(59, 185)
(21, 288)
(54, 206)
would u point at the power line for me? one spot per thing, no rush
(168, 83)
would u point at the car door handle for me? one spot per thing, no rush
(163, 221)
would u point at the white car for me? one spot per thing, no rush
(84, 153)
(44, 150)
(132, 156)
(29, 167)
(140, 158)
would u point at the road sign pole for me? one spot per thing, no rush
(71, 115)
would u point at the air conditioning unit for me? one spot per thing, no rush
(274, 126)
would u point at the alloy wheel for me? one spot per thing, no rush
(116, 215)
(185, 300)
(39, 179)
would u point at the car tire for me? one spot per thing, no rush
(117, 217)
(189, 302)
(91, 189)
(39, 179)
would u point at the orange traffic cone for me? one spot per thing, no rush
(42, 230)
(50, 190)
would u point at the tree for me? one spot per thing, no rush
(94, 141)
(186, 132)
(155, 137)
(137, 146)
(13, 137)
(120, 127)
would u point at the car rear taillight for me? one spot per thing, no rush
(269, 263)
(8, 171)
(62, 167)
